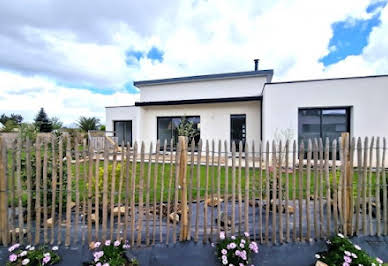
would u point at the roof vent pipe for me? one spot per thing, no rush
(256, 64)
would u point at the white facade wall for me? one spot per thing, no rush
(366, 96)
(121, 113)
(220, 88)
(214, 119)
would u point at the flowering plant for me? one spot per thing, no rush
(343, 252)
(31, 255)
(110, 253)
(235, 250)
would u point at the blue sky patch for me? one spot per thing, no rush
(133, 56)
(351, 36)
(155, 54)
(130, 88)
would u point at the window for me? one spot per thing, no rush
(123, 131)
(238, 130)
(323, 122)
(167, 129)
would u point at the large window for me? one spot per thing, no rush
(238, 130)
(167, 128)
(123, 131)
(322, 123)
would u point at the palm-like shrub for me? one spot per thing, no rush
(88, 123)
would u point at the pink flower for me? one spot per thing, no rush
(213, 245)
(246, 234)
(222, 235)
(347, 253)
(242, 245)
(13, 257)
(46, 260)
(379, 260)
(126, 246)
(233, 237)
(347, 259)
(98, 264)
(345, 264)
(224, 252)
(23, 253)
(224, 257)
(232, 245)
(238, 252)
(116, 243)
(97, 244)
(107, 243)
(13, 247)
(105, 264)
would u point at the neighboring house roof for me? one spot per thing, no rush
(197, 101)
(260, 73)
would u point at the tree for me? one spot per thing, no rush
(88, 123)
(186, 128)
(16, 118)
(9, 126)
(42, 121)
(56, 123)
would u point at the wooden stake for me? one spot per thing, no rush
(184, 162)
(156, 173)
(77, 200)
(68, 192)
(162, 193)
(267, 195)
(60, 205)
(19, 188)
(141, 184)
(37, 190)
(308, 187)
(206, 193)
(246, 199)
(29, 188)
(147, 188)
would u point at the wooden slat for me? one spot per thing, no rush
(141, 185)
(147, 189)
(29, 188)
(90, 195)
(364, 186)
(77, 195)
(334, 181)
(233, 187)
(377, 187)
(11, 178)
(316, 187)
(246, 192)
(84, 192)
(45, 213)
(169, 192)
(37, 189)
(53, 187)
(125, 161)
(4, 192)
(287, 191)
(113, 192)
(162, 192)
(308, 187)
(385, 196)
(212, 192)
(96, 197)
(19, 189)
(328, 190)
(341, 184)
(300, 190)
(60, 204)
(219, 189)
(205, 235)
(226, 183)
(320, 188)
(155, 186)
(133, 191)
(350, 185)
(274, 192)
(198, 190)
(254, 191)
(68, 192)
(176, 188)
(261, 146)
(370, 185)
(294, 154)
(280, 188)
(240, 147)
(267, 195)
(359, 184)
(190, 188)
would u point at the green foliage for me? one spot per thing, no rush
(34, 256)
(235, 250)
(42, 121)
(340, 251)
(186, 128)
(9, 126)
(112, 253)
(88, 123)
(13, 117)
(28, 130)
(102, 128)
(56, 123)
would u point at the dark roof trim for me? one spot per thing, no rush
(260, 73)
(328, 79)
(118, 106)
(199, 101)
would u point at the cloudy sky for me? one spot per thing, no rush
(76, 57)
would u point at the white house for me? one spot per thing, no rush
(248, 106)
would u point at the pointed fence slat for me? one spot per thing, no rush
(162, 181)
(90, 195)
(287, 191)
(246, 192)
(267, 193)
(29, 189)
(205, 217)
(19, 189)
(60, 204)
(68, 191)
(308, 188)
(359, 184)
(77, 195)
(219, 190)
(198, 190)
(212, 223)
(328, 190)
(365, 187)
(321, 181)
(169, 192)
(240, 147)
(335, 189)
(385, 196)
(53, 188)
(254, 191)
(261, 200)
(233, 187)
(141, 184)
(294, 154)
(147, 189)
(131, 182)
(377, 187)
(45, 214)
(316, 187)
(226, 181)
(280, 191)
(37, 190)
(156, 173)
(112, 193)
(369, 185)
(300, 190)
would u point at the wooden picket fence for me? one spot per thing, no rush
(57, 189)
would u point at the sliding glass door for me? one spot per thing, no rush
(238, 130)
(123, 131)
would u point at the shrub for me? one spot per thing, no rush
(110, 253)
(31, 255)
(235, 250)
(340, 251)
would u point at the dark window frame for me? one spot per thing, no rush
(172, 117)
(230, 129)
(114, 129)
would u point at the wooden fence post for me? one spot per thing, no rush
(3, 195)
(183, 184)
(348, 193)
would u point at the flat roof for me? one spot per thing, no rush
(325, 79)
(260, 73)
(199, 101)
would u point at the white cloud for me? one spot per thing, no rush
(43, 44)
